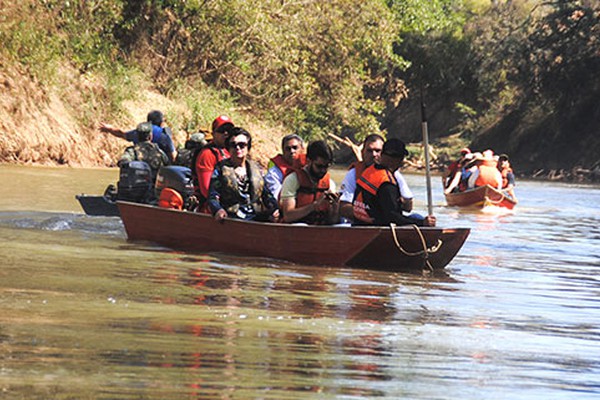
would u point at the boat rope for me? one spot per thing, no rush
(490, 201)
(425, 252)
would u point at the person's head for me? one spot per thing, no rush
(220, 129)
(291, 147)
(371, 150)
(156, 117)
(319, 158)
(144, 131)
(393, 153)
(238, 143)
(502, 160)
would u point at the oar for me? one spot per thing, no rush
(426, 150)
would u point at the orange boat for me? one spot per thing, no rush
(480, 197)
(382, 248)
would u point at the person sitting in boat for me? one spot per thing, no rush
(145, 150)
(206, 158)
(508, 176)
(455, 166)
(161, 134)
(376, 201)
(308, 195)
(237, 188)
(460, 180)
(370, 153)
(486, 172)
(292, 157)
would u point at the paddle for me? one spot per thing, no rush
(426, 150)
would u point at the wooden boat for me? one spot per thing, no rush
(383, 248)
(98, 205)
(480, 197)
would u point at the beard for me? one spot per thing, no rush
(316, 175)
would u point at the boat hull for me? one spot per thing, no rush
(480, 197)
(98, 205)
(362, 247)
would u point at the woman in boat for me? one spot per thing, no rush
(508, 177)
(237, 188)
(460, 179)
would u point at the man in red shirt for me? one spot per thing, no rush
(209, 156)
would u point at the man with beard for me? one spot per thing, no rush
(308, 195)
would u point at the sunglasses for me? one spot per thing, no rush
(290, 148)
(238, 145)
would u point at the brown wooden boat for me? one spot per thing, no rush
(382, 248)
(480, 197)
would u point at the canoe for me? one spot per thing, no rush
(98, 205)
(480, 197)
(382, 248)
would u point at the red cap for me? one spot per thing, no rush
(465, 150)
(220, 121)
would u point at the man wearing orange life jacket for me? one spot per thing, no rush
(292, 157)
(308, 194)
(508, 177)
(376, 201)
(371, 153)
(487, 171)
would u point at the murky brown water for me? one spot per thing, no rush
(85, 314)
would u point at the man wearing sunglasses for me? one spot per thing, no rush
(237, 188)
(292, 157)
(205, 160)
(309, 195)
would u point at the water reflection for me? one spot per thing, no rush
(85, 314)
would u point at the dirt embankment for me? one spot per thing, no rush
(58, 125)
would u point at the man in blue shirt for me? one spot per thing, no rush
(161, 134)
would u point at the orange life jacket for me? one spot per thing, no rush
(359, 168)
(285, 167)
(367, 186)
(309, 192)
(170, 198)
(488, 174)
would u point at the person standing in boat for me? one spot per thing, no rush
(376, 201)
(292, 157)
(237, 188)
(508, 176)
(205, 159)
(161, 134)
(308, 194)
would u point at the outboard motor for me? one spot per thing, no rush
(176, 178)
(135, 182)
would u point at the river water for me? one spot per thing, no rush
(84, 314)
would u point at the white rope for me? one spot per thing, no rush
(425, 252)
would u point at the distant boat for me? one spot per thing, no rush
(382, 248)
(481, 196)
(98, 205)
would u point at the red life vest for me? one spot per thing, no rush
(308, 193)
(367, 186)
